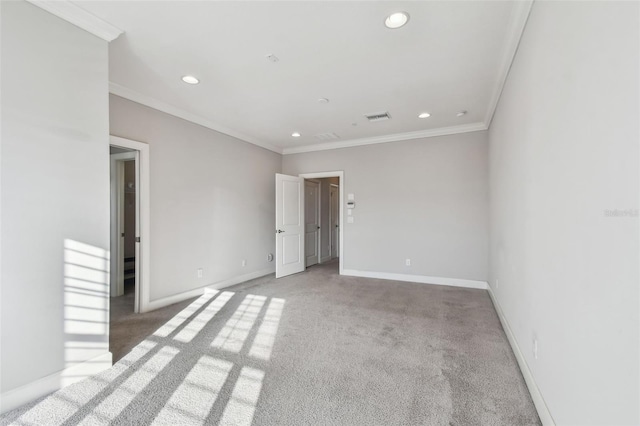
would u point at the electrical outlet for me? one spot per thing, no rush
(244, 262)
(407, 262)
(269, 257)
(199, 272)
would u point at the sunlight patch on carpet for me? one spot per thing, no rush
(197, 324)
(192, 400)
(266, 337)
(232, 336)
(183, 315)
(244, 399)
(123, 395)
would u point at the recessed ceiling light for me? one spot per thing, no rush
(424, 115)
(396, 20)
(461, 113)
(323, 100)
(295, 134)
(189, 79)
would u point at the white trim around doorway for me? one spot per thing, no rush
(144, 214)
(338, 174)
(331, 242)
(319, 218)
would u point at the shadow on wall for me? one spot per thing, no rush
(192, 370)
(86, 311)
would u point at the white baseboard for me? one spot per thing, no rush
(242, 278)
(24, 394)
(536, 395)
(423, 279)
(170, 300)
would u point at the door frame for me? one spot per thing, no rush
(339, 174)
(319, 217)
(331, 230)
(143, 264)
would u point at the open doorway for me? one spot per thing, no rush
(302, 238)
(129, 280)
(312, 220)
(322, 220)
(124, 230)
(130, 211)
(331, 226)
(334, 219)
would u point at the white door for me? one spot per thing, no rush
(312, 221)
(334, 220)
(289, 225)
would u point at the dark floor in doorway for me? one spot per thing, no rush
(127, 329)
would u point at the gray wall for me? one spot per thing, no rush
(212, 199)
(564, 150)
(424, 199)
(54, 183)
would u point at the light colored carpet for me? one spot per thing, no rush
(313, 348)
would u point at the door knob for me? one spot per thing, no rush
(318, 227)
(279, 231)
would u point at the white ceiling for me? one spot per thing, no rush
(451, 56)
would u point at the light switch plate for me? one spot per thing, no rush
(350, 219)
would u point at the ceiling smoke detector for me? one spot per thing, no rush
(380, 116)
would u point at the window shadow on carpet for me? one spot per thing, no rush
(204, 366)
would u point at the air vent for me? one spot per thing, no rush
(326, 136)
(378, 117)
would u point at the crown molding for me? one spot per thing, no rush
(518, 22)
(137, 97)
(441, 131)
(79, 17)
(74, 14)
